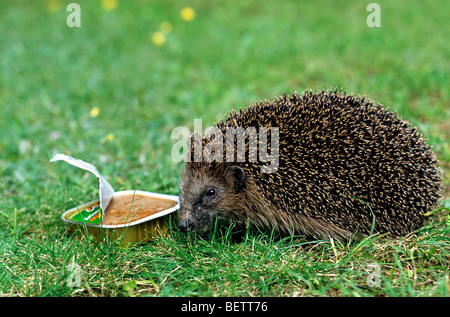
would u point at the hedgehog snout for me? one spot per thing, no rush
(185, 225)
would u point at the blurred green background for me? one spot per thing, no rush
(230, 54)
(111, 91)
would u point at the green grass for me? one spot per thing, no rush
(231, 54)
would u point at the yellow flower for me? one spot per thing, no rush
(110, 5)
(187, 14)
(165, 27)
(158, 38)
(94, 112)
(53, 5)
(110, 137)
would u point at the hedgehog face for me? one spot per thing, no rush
(205, 198)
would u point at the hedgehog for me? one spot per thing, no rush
(323, 165)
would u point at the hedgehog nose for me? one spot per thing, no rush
(185, 225)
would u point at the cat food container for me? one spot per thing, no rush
(131, 216)
(126, 216)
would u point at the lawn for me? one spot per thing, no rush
(111, 91)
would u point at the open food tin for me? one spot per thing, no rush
(127, 216)
(134, 222)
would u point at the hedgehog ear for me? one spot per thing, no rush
(238, 175)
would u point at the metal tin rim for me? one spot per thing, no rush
(132, 223)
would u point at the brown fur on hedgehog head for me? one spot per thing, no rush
(225, 191)
(209, 191)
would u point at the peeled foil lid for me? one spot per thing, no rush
(105, 189)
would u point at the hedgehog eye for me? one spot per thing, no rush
(211, 193)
